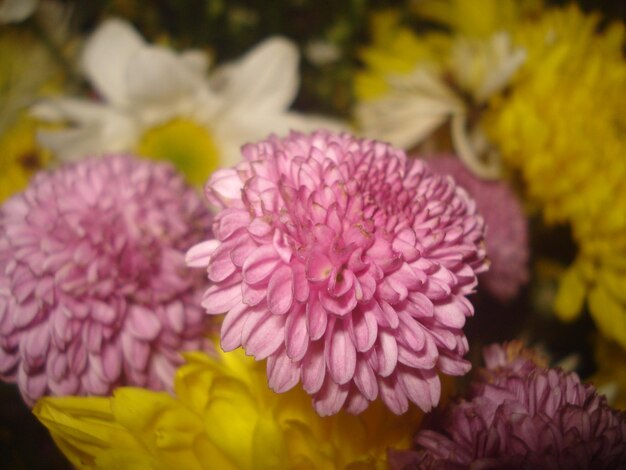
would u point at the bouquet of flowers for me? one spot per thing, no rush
(254, 236)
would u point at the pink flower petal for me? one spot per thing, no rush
(341, 306)
(223, 187)
(296, 335)
(318, 268)
(340, 353)
(363, 329)
(260, 264)
(263, 337)
(421, 387)
(356, 403)
(220, 299)
(283, 374)
(229, 221)
(232, 327)
(221, 265)
(365, 380)
(331, 397)
(393, 395)
(280, 291)
(313, 368)
(317, 319)
(143, 323)
(111, 361)
(387, 353)
(198, 256)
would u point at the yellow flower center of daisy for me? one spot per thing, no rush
(187, 145)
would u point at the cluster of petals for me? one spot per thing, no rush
(94, 291)
(507, 228)
(346, 266)
(521, 415)
(222, 416)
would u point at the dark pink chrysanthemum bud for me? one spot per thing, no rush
(346, 266)
(521, 415)
(94, 291)
(507, 228)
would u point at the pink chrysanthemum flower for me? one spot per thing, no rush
(94, 291)
(346, 265)
(507, 228)
(521, 415)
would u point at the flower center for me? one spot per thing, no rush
(187, 145)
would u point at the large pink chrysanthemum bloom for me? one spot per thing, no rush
(94, 291)
(521, 415)
(507, 228)
(346, 265)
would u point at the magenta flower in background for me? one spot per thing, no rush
(507, 228)
(346, 266)
(522, 415)
(94, 291)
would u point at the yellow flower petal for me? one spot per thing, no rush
(608, 314)
(571, 294)
(240, 424)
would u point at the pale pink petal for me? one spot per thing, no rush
(218, 299)
(260, 264)
(331, 397)
(340, 354)
(283, 374)
(198, 256)
(296, 335)
(143, 323)
(280, 291)
(313, 368)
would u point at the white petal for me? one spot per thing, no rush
(404, 120)
(74, 144)
(417, 104)
(107, 55)
(238, 129)
(468, 151)
(196, 60)
(266, 78)
(75, 110)
(157, 75)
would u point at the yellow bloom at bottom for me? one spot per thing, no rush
(187, 145)
(20, 156)
(223, 417)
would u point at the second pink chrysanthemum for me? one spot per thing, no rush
(346, 266)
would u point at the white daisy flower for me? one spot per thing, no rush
(163, 104)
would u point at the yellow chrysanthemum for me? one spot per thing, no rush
(563, 127)
(563, 123)
(20, 156)
(224, 416)
(478, 18)
(395, 50)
